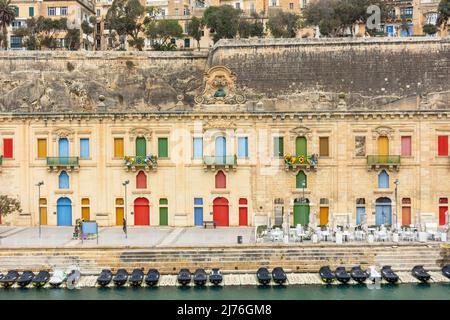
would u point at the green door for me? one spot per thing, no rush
(141, 148)
(163, 216)
(300, 146)
(301, 214)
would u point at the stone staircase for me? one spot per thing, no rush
(300, 258)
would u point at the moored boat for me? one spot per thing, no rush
(388, 274)
(446, 271)
(373, 274)
(184, 277)
(342, 275)
(215, 276)
(25, 278)
(73, 277)
(200, 277)
(41, 279)
(358, 274)
(420, 273)
(9, 279)
(326, 275)
(136, 277)
(278, 275)
(57, 278)
(104, 278)
(121, 277)
(263, 276)
(152, 277)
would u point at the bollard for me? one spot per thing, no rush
(239, 239)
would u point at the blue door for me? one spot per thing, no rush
(64, 212)
(359, 212)
(383, 214)
(63, 147)
(198, 213)
(221, 150)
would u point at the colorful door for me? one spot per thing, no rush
(43, 211)
(442, 212)
(220, 212)
(323, 216)
(406, 215)
(243, 216)
(383, 212)
(163, 216)
(64, 212)
(141, 148)
(141, 212)
(119, 216)
(63, 147)
(383, 146)
(360, 211)
(301, 146)
(301, 214)
(85, 213)
(198, 216)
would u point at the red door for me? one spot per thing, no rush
(243, 216)
(442, 211)
(220, 212)
(141, 212)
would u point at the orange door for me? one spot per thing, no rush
(141, 212)
(383, 146)
(243, 220)
(442, 211)
(220, 212)
(323, 216)
(406, 215)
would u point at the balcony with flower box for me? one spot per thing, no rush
(383, 161)
(133, 163)
(66, 163)
(301, 162)
(226, 162)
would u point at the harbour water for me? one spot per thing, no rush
(435, 291)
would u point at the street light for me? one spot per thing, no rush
(39, 184)
(396, 182)
(126, 217)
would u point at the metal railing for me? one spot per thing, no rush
(63, 161)
(140, 161)
(383, 160)
(220, 160)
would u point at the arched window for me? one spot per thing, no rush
(221, 180)
(383, 180)
(141, 180)
(300, 180)
(63, 180)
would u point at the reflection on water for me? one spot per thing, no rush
(301, 292)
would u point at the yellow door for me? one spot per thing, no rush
(383, 146)
(119, 216)
(85, 213)
(43, 213)
(323, 215)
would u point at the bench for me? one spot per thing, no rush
(209, 223)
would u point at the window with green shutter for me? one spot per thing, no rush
(163, 151)
(16, 9)
(278, 147)
(31, 11)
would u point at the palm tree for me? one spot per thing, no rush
(7, 16)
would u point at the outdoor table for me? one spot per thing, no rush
(325, 234)
(346, 236)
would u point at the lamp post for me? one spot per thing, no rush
(126, 217)
(39, 184)
(303, 187)
(396, 182)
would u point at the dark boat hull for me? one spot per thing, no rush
(264, 280)
(152, 277)
(279, 276)
(391, 278)
(359, 277)
(120, 282)
(9, 279)
(136, 278)
(56, 284)
(151, 282)
(41, 281)
(215, 280)
(446, 271)
(200, 283)
(184, 281)
(343, 279)
(25, 279)
(421, 277)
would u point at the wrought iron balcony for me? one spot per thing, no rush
(377, 161)
(301, 162)
(220, 161)
(144, 162)
(69, 163)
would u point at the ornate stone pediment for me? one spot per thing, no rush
(220, 88)
(219, 124)
(383, 131)
(301, 131)
(62, 133)
(140, 132)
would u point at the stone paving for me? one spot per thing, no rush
(114, 236)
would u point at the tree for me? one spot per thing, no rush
(9, 205)
(429, 29)
(7, 16)
(194, 29)
(163, 31)
(283, 24)
(88, 29)
(41, 32)
(222, 21)
(126, 17)
(72, 39)
(251, 27)
(443, 14)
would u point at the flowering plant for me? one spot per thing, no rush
(301, 159)
(139, 160)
